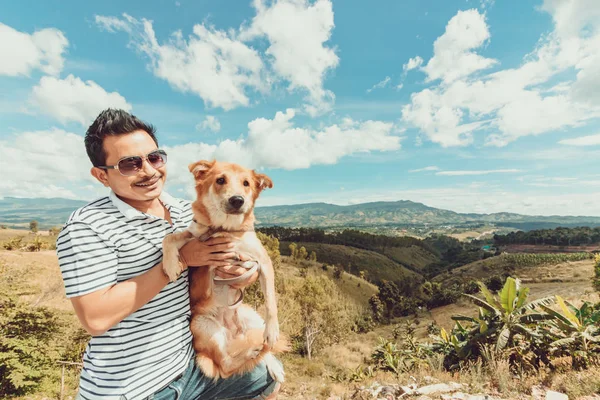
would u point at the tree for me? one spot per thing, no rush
(325, 317)
(33, 226)
(302, 253)
(313, 256)
(389, 294)
(377, 308)
(293, 250)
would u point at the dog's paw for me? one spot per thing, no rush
(172, 272)
(271, 334)
(171, 268)
(275, 368)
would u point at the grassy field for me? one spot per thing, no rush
(354, 260)
(413, 256)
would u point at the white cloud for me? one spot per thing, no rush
(210, 123)
(115, 24)
(412, 63)
(71, 99)
(481, 172)
(591, 140)
(380, 85)
(432, 168)
(277, 143)
(211, 63)
(453, 55)
(221, 68)
(43, 164)
(399, 86)
(297, 32)
(512, 102)
(21, 53)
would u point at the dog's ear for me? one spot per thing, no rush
(200, 168)
(262, 181)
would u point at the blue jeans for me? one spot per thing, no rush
(193, 385)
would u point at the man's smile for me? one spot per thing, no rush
(150, 182)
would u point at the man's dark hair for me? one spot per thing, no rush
(112, 122)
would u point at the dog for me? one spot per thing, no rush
(229, 337)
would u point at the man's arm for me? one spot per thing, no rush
(100, 310)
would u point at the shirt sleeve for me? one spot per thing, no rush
(87, 261)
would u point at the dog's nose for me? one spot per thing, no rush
(236, 201)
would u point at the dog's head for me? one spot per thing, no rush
(227, 191)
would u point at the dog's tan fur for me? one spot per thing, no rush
(228, 340)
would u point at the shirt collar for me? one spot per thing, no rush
(130, 212)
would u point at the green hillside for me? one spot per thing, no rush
(414, 257)
(377, 266)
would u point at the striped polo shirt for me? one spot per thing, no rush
(107, 242)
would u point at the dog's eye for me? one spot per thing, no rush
(246, 183)
(221, 181)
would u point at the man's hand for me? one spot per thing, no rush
(216, 252)
(235, 270)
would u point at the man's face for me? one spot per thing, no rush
(148, 183)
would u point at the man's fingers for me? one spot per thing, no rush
(219, 248)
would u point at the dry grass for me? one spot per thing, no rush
(39, 273)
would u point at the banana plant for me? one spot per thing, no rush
(507, 315)
(578, 327)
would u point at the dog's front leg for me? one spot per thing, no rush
(267, 283)
(171, 245)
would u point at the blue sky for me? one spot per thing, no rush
(474, 106)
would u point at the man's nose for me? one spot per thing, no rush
(148, 168)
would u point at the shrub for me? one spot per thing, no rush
(25, 354)
(13, 243)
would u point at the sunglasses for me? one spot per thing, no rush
(131, 165)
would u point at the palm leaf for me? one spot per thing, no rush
(508, 295)
(532, 318)
(566, 312)
(490, 297)
(481, 303)
(503, 339)
(444, 335)
(532, 305)
(561, 321)
(523, 293)
(463, 318)
(483, 327)
(524, 330)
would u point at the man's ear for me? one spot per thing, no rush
(262, 181)
(100, 175)
(200, 168)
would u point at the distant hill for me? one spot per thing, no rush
(16, 212)
(55, 211)
(396, 212)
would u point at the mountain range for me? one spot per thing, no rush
(55, 211)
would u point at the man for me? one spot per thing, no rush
(110, 255)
